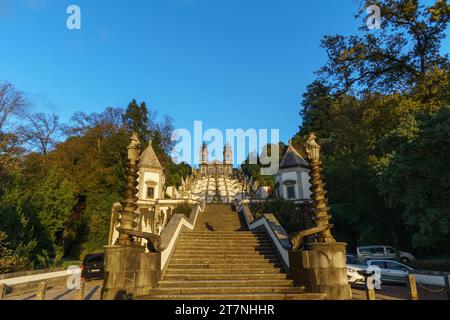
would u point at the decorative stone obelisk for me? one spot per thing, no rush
(320, 265)
(129, 269)
(128, 217)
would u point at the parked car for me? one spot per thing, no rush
(355, 270)
(392, 271)
(93, 266)
(365, 253)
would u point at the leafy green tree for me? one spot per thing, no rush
(372, 106)
(416, 178)
(9, 261)
(54, 201)
(395, 58)
(293, 217)
(137, 120)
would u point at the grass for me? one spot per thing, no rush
(67, 263)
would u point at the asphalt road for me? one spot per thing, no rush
(398, 292)
(93, 290)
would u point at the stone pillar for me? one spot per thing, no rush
(3, 289)
(41, 291)
(129, 272)
(80, 291)
(129, 214)
(321, 268)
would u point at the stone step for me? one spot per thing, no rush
(222, 233)
(241, 296)
(226, 290)
(226, 250)
(255, 266)
(234, 261)
(208, 244)
(226, 283)
(227, 271)
(236, 245)
(223, 246)
(227, 240)
(221, 255)
(240, 251)
(226, 276)
(221, 239)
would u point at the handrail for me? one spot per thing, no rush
(171, 232)
(39, 277)
(274, 230)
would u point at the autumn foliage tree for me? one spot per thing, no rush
(55, 201)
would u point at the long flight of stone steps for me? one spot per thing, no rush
(226, 265)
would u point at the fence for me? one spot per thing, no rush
(413, 286)
(34, 282)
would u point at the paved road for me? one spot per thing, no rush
(397, 292)
(93, 289)
(60, 292)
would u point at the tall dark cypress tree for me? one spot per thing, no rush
(136, 118)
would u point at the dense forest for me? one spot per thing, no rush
(59, 181)
(381, 108)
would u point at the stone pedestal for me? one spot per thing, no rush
(321, 268)
(129, 272)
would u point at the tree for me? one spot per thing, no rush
(316, 109)
(12, 103)
(40, 132)
(372, 104)
(395, 58)
(137, 120)
(416, 178)
(9, 261)
(54, 201)
(112, 120)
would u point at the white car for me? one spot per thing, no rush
(392, 271)
(355, 271)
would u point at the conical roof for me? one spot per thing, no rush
(149, 159)
(293, 159)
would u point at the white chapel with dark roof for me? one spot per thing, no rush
(292, 180)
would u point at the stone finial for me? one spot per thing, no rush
(312, 148)
(134, 148)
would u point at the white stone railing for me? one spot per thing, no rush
(149, 220)
(270, 224)
(171, 232)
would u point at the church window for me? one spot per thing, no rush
(291, 192)
(150, 192)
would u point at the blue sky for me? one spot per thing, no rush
(230, 63)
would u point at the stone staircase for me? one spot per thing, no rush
(221, 261)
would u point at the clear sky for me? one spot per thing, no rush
(230, 63)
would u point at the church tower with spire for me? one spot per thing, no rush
(227, 154)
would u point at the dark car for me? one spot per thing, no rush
(93, 266)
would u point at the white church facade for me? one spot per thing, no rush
(292, 180)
